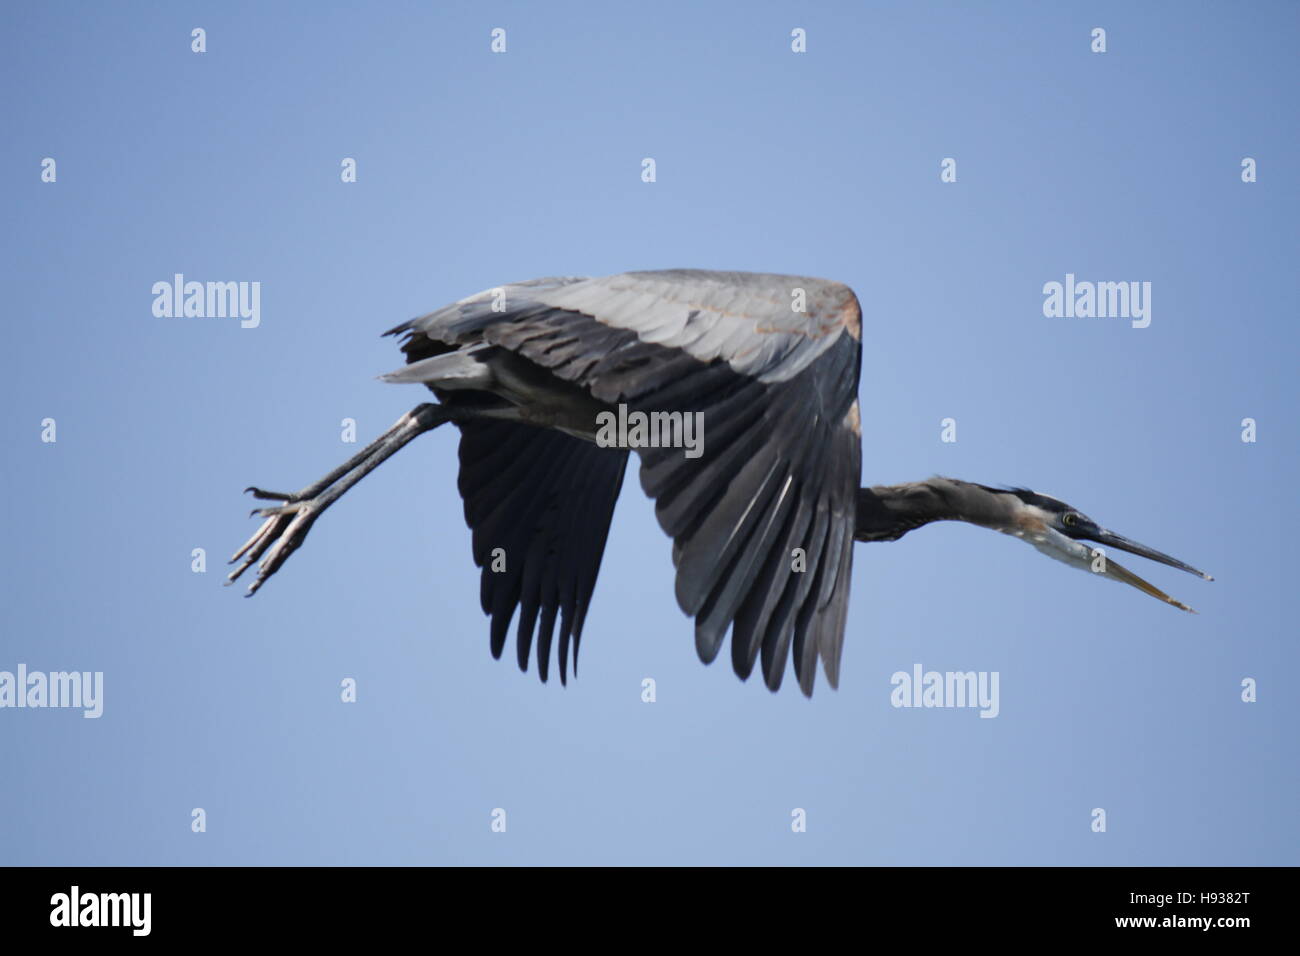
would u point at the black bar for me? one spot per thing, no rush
(246, 903)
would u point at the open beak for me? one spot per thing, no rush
(1109, 539)
(1076, 553)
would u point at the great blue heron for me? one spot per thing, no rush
(763, 516)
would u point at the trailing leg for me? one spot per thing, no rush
(287, 524)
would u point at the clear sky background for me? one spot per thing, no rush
(476, 169)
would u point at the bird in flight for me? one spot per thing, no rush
(763, 511)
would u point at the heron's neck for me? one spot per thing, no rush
(887, 512)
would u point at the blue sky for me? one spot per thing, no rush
(476, 169)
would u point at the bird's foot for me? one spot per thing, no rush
(287, 523)
(279, 536)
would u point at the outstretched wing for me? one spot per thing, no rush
(762, 520)
(539, 503)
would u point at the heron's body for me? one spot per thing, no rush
(762, 522)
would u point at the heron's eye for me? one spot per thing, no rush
(1070, 519)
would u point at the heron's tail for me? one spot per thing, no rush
(463, 368)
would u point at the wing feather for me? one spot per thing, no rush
(771, 365)
(546, 499)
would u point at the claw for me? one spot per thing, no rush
(268, 495)
(286, 525)
(278, 537)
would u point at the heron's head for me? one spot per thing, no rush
(1064, 532)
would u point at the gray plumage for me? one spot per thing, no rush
(762, 523)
